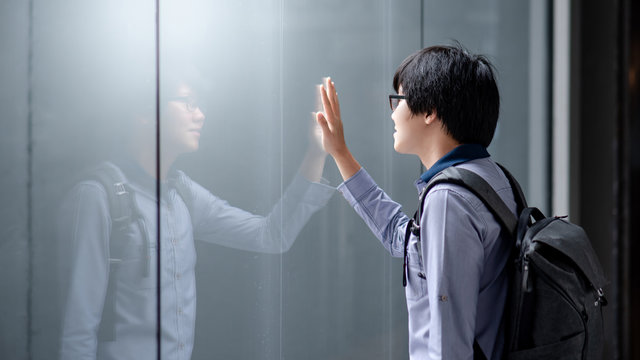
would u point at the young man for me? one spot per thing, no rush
(125, 327)
(445, 111)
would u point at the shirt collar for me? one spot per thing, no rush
(135, 173)
(462, 153)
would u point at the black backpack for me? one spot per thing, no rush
(554, 306)
(123, 210)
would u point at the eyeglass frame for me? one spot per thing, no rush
(396, 98)
(189, 101)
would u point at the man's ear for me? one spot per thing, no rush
(430, 118)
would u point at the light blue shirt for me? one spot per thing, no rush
(86, 230)
(457, 283)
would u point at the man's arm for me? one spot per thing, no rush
(453, 260)
(216, 221)
(383, 215)
(84, 230)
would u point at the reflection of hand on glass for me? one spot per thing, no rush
(111, 306)
(313, 163)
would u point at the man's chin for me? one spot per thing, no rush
(178, 151)
(191, 146)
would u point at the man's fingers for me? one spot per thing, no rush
(330, 90)
(335, 102)
(332, 94)
(326, 103)
(324, 124)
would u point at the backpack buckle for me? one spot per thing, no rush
(415, 229)
(120, 188)
(601, 299)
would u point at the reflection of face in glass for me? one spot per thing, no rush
(182, 122)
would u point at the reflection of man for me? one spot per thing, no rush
(118, 320)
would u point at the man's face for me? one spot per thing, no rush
(408, 128)
(182, 122)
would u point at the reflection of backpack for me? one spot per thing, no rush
(123, 210)
(554, 309)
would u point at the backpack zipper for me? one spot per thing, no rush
(525, 275)
(524, 264)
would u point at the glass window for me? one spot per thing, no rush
(150, 163)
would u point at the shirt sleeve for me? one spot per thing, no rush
(83, 229)
(383, 215)
(451, 235)
(215, 221)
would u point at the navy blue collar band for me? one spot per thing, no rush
(459, 155)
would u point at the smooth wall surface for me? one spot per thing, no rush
(81, 88)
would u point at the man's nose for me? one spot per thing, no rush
(198, 115)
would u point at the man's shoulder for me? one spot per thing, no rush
(445, 195)
(449, 193)
(487, 169)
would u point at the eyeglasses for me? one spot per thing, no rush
(190, 103)
(394, 100)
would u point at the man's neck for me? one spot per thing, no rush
(435, 150)
(148, 160)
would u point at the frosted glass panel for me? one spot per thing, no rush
(255, 255)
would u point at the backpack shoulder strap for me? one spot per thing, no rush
(118, 192)
(480, 188)
(123, 210)
(518, 194)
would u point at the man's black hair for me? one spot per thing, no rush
(458, 86)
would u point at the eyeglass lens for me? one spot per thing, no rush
(394, 103)
(394, 100)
